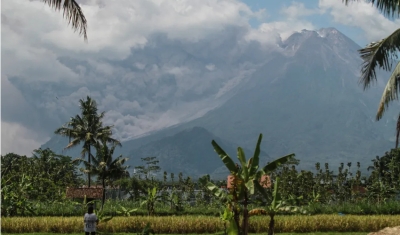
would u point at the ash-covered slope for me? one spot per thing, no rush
(306, 100)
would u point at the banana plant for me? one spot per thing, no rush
(315, 198)
(276, 206)
(227, 216)
(14, 199)
(126, 212)
(150, 200)
(102, 217)
(245, 183)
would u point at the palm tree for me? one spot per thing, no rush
(72, 12)
(87, 128)
(383, 54)
(104, 166)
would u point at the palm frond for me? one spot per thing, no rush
(73, 143)
(73, 13)
(382, 54)
(390, 93)
(114, 141)
(387, 7)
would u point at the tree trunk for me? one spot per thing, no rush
(245, 221)
(104, 193)
(271, 225)
(89, 167)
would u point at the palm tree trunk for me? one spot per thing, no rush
(104, 193)
(89, 166)
(271, 225)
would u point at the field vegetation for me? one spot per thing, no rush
(201, 224)
(276, 197)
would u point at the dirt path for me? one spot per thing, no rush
(387, 231)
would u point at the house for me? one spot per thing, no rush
(92, 193)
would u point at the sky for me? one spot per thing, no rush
(137, 64)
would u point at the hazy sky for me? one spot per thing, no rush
(138, 63)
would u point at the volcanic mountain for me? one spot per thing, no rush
(304, 100)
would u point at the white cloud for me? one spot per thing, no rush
(210, 67)
(360, 14)
(115, 26)
(285, 28)
(18, 139)
(297, 10)
(148, 63)
(270, 33)
(55, 68)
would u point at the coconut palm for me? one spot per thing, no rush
(72, 12)
(87, 128)
(383, 54)
(104, 166)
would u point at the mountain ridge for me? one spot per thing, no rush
(305, 100)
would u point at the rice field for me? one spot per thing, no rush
(202, 224)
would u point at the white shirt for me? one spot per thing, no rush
(90, 222)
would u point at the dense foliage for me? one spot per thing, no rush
(43, 177)
(37, 185)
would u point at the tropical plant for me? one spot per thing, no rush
(53, 173)
(276, 206)
(87, 128)
(126, 212)
(150, 200)
(14, 197)
(383, 54)
(16, 184)
(72, 12)
(380, 191)
(387, 169)
(104, 166)
(227, 216)
(204, 196)
(245, 183)
(25, 180)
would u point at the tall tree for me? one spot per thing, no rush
(52, 174)
(87, 128)
(104, 166)
(72, 12)
(149, 168)
(383, 54)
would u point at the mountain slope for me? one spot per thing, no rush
(189, 152)
(306, 100)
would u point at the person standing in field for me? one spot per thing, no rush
(90, 220)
